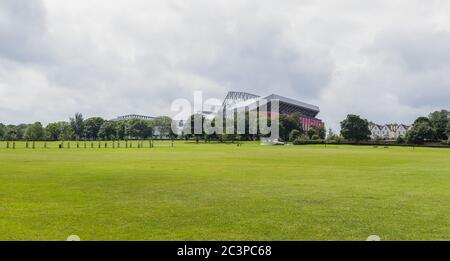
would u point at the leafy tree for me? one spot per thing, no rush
(108, 130)
(294, 135)
(2, 131)
(448, 129)
(439, 121)
(10, 133)
(190, 126)
(34, 131)
(120, 129)
(66, 131)
(400, 140)
(77, 124)
(321, 132)
(422, 119)
(420, 132)
(164, 126)
(138, 129)
(92, 127)
(289, 123)
(311, 132)
(53, 131)
(354, 128)
(14, 132)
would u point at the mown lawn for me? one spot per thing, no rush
(224, 192)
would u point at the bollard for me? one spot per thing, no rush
(14, 145)
(45, 144)
(68, 144)
(7, 144)
(33, 145)
(26, 145)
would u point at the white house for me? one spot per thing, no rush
(388, 131)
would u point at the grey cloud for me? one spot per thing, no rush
(23, 30)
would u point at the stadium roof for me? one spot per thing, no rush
(242, 99)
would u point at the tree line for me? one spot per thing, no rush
(94, 128)
(290, 129)
(433, 128)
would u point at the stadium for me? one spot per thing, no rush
(287, 106)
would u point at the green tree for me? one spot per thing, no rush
(34, 131)
(439, 121)
(120, 130)
(108, 130)
(289, 123)
(354, 128)
(321, 132)
(162, 125)
(294, 135)
(138, 129)
(53, 131)
(10, 133)
(190, 126)
(448, 129)
(66, 131)
(311, 132)
(77, 124)
(420, 132)
(92, 127)
(2, 131)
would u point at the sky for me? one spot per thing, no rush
(388, 61)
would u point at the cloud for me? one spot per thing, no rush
(59, 57)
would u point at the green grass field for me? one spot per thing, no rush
(224, 192)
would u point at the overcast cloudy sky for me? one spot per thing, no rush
(388, 61)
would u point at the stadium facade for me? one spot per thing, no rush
(286, 106)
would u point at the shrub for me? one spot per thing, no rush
(294, 135)
(300, 141)
(400, 140)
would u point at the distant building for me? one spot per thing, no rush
(388, 131)
(287, 106)
(133, 116)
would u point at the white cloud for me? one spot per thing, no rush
(385, 60)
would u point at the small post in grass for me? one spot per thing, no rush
(26, 144)
(14, 145)
(7, 144)
(33, 145)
